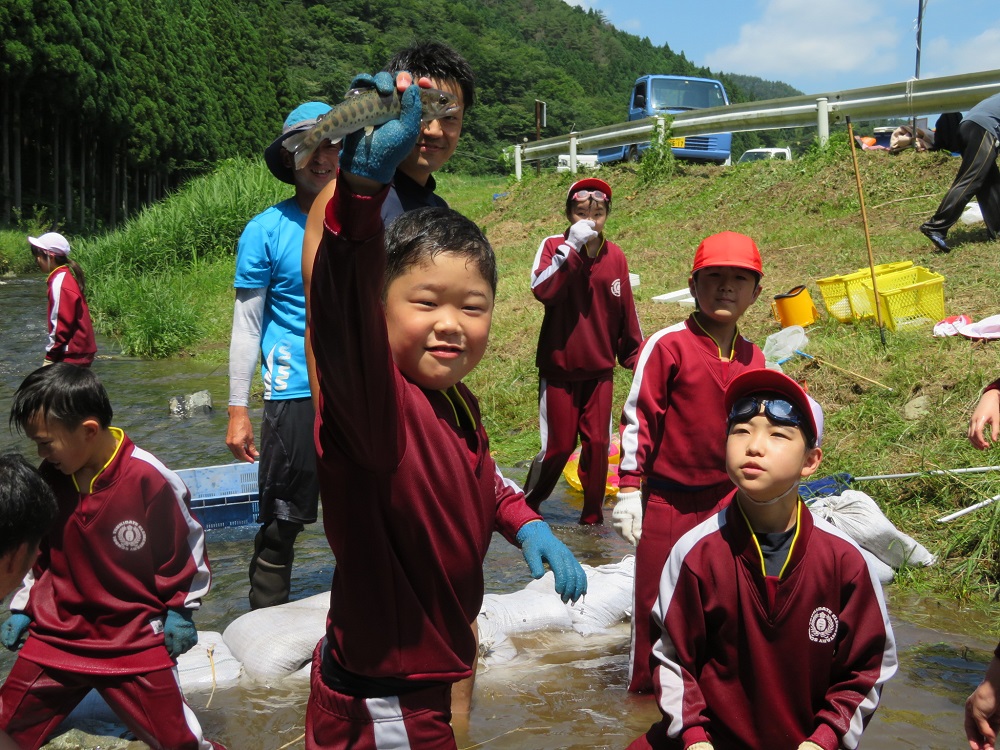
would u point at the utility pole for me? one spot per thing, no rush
(921, 4)
(539, 124)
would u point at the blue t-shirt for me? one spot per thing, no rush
(269, 256)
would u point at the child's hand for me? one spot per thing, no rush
(580, 233)
(179, 632)
(537, 544)
(987, 414)
(13, 629)
(374, 157)
(626, 518)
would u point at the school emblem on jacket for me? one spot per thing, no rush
(822, 625)
(616, 287)
(129, 536)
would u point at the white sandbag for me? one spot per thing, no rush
(884, 573)
(496, 649)
(523, 611)
(608, 599)
(858, 516)
(274, 642)
(208, 665)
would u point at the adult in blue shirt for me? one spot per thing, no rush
(977, 176)
(269, 321)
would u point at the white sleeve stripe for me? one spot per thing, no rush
(202, 580)
(510, 483)
(889, 662)
(670, 679)
(630, 435)
(557, 260)
(57, 284)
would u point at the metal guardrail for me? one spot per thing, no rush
(902, 99)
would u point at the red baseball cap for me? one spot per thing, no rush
(589, 183)
(728, 249)
(765, 382)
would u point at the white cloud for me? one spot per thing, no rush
(943, 57)
(801, 42)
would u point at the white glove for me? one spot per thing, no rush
(701, 746)
(626, 518)
(808, 745)
(580, 233)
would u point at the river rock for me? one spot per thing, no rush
(199, 402)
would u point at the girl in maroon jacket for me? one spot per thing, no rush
(590, 321)
(71, 334)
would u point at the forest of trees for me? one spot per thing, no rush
(105, 106)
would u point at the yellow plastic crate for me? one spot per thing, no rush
(845, 297)
(907, 298)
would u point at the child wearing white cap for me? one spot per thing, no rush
(71, 332)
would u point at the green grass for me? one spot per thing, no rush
(806, 217)
(164, 285)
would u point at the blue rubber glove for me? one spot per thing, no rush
(538, 543)
(376, 156)
(179, 632)
(12, 630)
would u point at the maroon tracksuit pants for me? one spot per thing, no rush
(567, 409)
(35, 699)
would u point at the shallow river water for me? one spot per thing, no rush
(565, 693)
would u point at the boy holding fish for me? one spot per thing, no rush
(413, 183)
(411, 496)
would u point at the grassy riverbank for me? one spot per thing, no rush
(163, 286)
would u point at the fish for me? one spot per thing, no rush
(364, 109)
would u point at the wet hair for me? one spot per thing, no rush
(27, 505)
(417, 236)
(62, 392)
(438, 61)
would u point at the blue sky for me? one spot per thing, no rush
(818, 46)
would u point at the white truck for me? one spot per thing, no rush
(762, 154)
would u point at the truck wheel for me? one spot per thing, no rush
(633, 154)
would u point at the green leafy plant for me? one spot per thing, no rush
(658, 162)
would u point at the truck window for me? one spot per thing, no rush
(639, 96)
(669, 94)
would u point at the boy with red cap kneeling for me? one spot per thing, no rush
(673, 424)
(773, 632)
(590, 321)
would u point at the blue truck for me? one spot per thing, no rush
(657, 95)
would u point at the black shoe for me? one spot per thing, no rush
(940, 244)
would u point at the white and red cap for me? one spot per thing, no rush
(766, 382)
(51, 242)
(589, 183)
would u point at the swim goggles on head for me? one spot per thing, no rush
(777, 410)
(597, 195)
